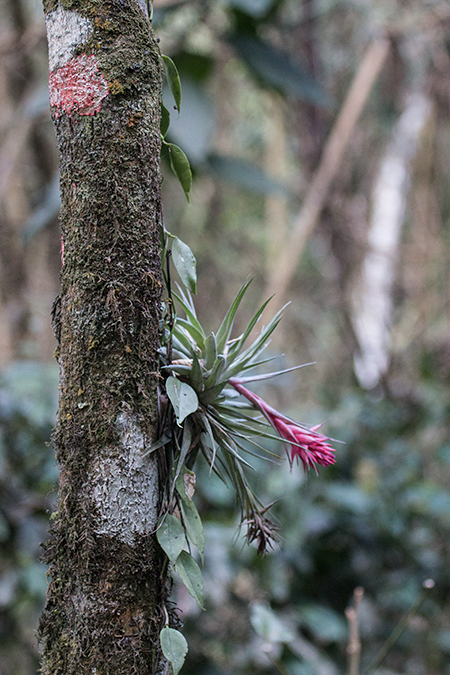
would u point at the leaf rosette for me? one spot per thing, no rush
(211, 418)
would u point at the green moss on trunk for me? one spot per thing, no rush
(107, 588)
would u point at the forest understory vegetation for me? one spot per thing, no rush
(289, 187)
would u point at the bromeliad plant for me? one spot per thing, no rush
(206, 373)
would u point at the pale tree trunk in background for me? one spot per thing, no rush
(372, 301)
(16, 94)
(105, 604)
(365, 77)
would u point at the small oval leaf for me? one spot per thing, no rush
(173, 79)
(181, 167)
(189, 480)
(194, 526)
(185, 447)
(171, 537)
(185, 484)
(276, 68)
(185, 264)
(266, 624)
(165, 121)
(174, 647)
(183, 398)
(191, 576)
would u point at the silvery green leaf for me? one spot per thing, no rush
(181, 167)
(189, 328)
(239, 343)
(174, 647)
(173, 79)
(219, 366)
(191, 576)
(210, 351)
(267, 624)
(165, 121)
(194, 525)
(210, 395)
(185, 447)
(185, 262)
(188, 307)
(181, 343)
(171, 537)
(224, 332)
(196, 376)
(268, 376)
(179, 368)
(183, 398)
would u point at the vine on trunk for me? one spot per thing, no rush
(206, 410)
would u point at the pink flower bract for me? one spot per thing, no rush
(307, 445)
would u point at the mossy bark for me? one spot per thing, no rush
(105, 603)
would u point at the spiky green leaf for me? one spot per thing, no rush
(187, 306)
(219, 367)
(181, 343)
(268, 376)
(195, 334)
(209, 395)
(210, 351)
(239, 343)
(196, 375)
(255, 349)
(224, 332)
(185, 263)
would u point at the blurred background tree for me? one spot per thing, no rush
(319, 135)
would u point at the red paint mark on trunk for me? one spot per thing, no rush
(78, 86)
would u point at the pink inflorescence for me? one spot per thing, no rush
(78, 86)
(307, 445)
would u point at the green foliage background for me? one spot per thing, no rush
(380, 518)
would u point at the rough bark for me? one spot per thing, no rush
(106, 593)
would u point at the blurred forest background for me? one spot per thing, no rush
(319, 136)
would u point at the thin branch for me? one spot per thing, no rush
(354, 643)
(13, 144)
(403, 624)
(337, 143)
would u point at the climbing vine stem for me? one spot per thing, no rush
(209, 412)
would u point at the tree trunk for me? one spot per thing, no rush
(105, 603)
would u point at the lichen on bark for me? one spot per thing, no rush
(107, 589)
